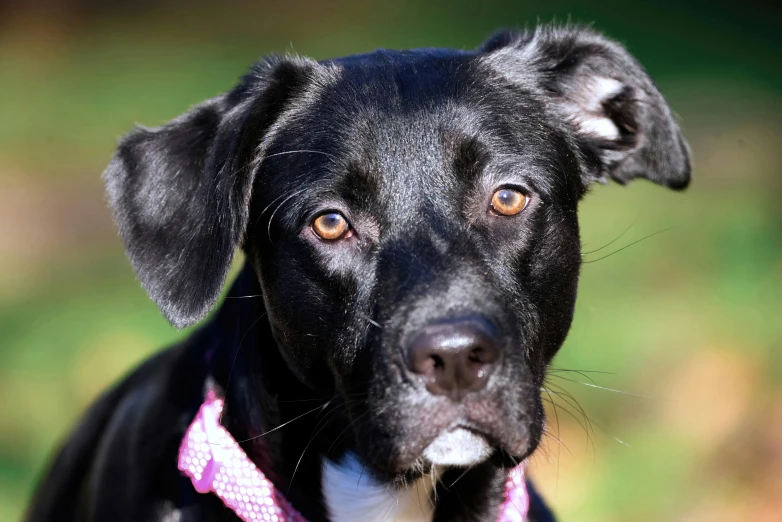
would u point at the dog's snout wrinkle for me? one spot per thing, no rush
(454, 357)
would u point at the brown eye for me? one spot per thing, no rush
(508, 202)
(331, 226)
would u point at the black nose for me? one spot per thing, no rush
(455, 357)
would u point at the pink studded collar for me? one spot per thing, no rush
(216, 463)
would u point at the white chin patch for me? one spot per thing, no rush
(458, 447)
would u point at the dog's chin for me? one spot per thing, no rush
(458, 447)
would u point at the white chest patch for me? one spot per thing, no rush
(352, 495)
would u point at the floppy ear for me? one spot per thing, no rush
(180, 193)
(620, 121)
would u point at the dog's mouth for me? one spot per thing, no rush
(497, 425)
(461, 444)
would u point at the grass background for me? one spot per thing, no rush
(687, 322)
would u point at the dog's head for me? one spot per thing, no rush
(411, 216)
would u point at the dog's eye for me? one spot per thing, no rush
(508, 202)
(331, 226)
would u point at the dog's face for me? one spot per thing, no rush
(422, 245)
(411, 217)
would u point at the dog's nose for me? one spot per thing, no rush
(455, 357)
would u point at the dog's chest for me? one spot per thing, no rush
(351, 495)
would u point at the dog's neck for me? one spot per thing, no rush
(262, 396)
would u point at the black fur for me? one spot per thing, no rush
(409, 146)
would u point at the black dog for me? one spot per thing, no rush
(412, 256)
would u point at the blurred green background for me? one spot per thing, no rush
(688, 322)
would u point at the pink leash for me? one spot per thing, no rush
(216, 463)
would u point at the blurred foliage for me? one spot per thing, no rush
(684, 324)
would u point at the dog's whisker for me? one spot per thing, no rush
(284, 424)
(513, 459)
(567, 396)
(620, 441)
(330, 415)
(581, 372)
(420, 504)
(236, 355)
(543, 451)
(305, 400)
(391, 507)
(583, 424)
(271, 217)
(556, 416)
(373, 322)
(558, 441)
(298, 463)
(262, 212)
(460, 477)
(283, 195)
(570, 399)
(617, 238)
(350, 425)
(587, 422)
(361, 474)
(626, 246)
(559, 391)
(300, 151)
(598, 387)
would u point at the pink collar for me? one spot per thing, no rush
(215, 462)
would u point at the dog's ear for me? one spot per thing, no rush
(180, 193)
(620, 121)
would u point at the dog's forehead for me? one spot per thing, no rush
(398, 104)
(422, 70)
(403, 126)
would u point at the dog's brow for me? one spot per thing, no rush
(359, 184)
(467, 157)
